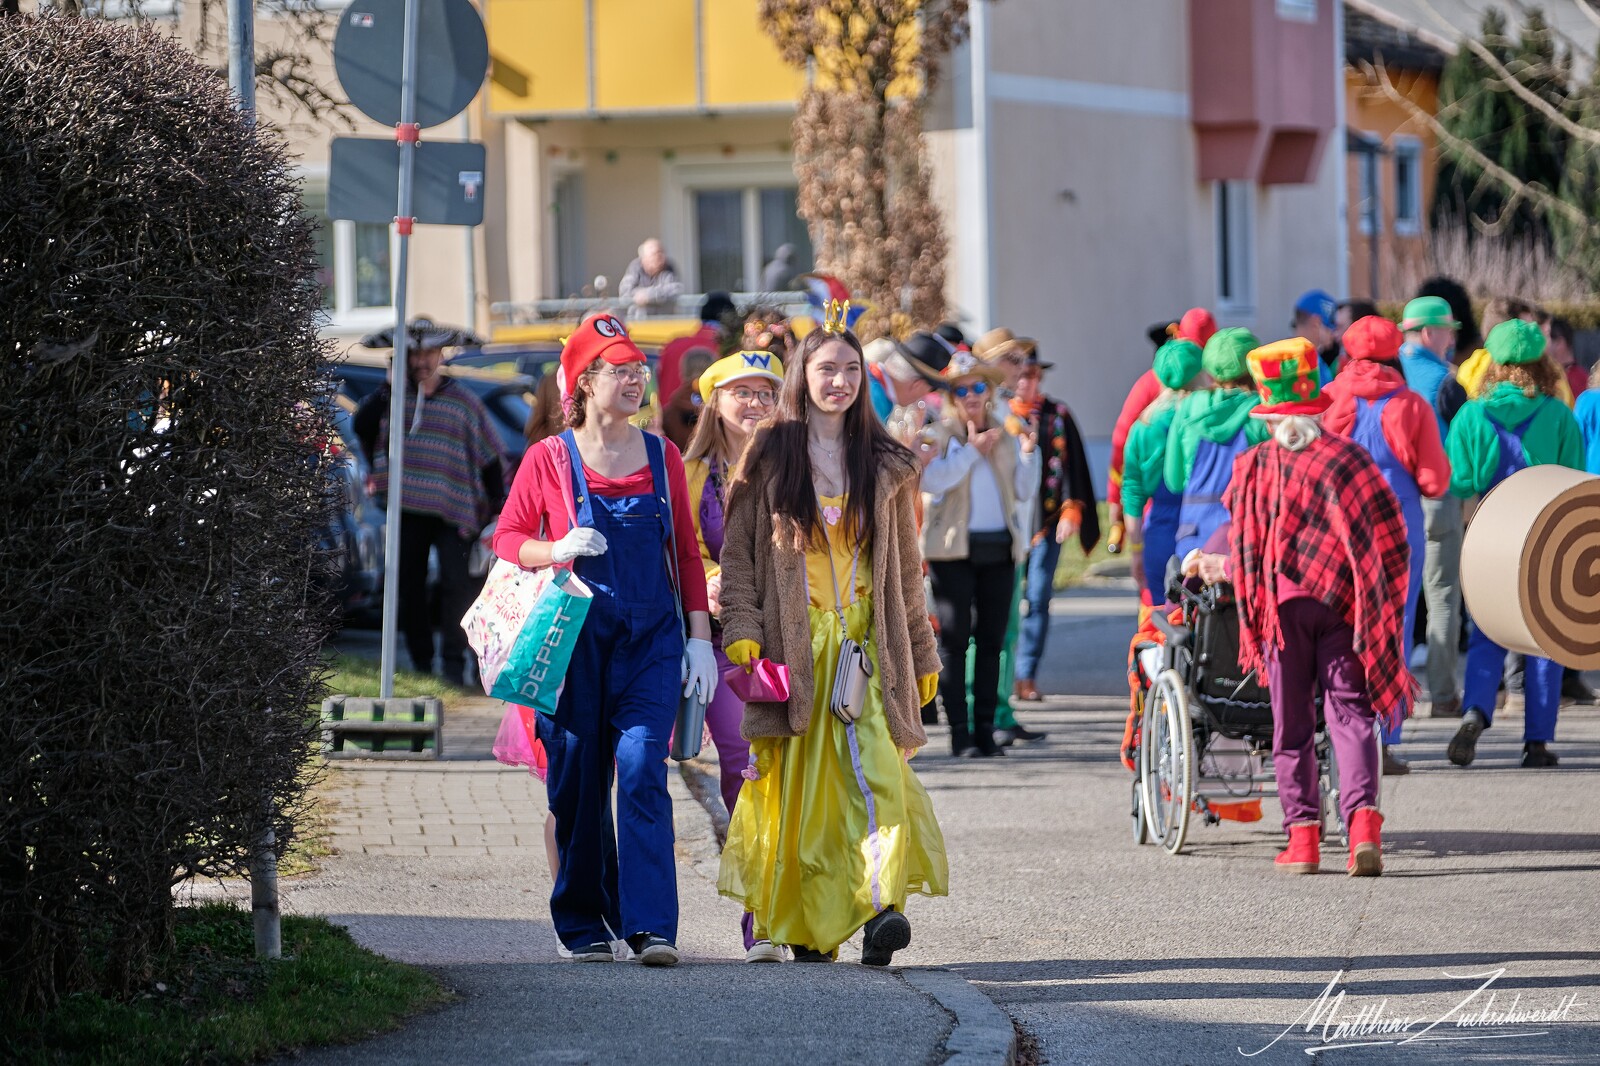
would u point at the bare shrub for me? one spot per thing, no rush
(161, 485)
(1493, 265)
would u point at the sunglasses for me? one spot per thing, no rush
(977, 388)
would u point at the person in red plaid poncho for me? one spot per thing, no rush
(1319, 561)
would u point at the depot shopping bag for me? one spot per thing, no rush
(524, 626)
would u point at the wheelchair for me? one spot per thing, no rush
(1204, 734)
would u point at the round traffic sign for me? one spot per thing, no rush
(452, 58)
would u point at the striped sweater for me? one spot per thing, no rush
(445, 458)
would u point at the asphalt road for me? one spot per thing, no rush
(1113, 953)
(1107, 952)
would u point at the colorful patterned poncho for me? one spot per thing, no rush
(1326, 519)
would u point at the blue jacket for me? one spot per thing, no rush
(1588, 413)
(1431, 377)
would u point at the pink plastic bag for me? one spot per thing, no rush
(767, 682)
(517, 742)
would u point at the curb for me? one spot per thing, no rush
(982, 1034)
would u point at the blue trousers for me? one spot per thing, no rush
(1541, 686)
(616, 711)
(1037, 591)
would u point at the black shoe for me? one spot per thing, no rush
(653, 950)
(805, 954)
(969, 752)
(959, 743)
(1464, 745)
(1450, 708)
(1023, 735)
(599, 951)
(991, 750)
(1576, 690)
(1535, 755)
(883, 936)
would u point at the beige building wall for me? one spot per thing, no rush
(1093, 221)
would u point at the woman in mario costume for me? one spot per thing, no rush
(613, 503)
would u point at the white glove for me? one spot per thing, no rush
(699, 668)
(580, 541)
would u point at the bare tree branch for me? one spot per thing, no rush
(1532, 191)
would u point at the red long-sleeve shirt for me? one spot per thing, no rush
(539, 501)
(1143, 394)
(1410, 427)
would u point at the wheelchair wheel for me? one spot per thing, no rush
(1166, 761)
(1141, 832)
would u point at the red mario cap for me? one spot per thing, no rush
(601, 336)
(1196, 325)
(1372, 337)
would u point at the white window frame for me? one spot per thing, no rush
(344, 314)
(1298, 10)
(1369, 186)
(1235, 248)
(685, 178)
(1408, 210)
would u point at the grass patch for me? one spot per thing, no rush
(352, 675)
(214, 1002)
(1074, 565)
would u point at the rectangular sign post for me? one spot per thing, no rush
(405, 135)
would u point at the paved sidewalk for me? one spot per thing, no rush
(443, 864)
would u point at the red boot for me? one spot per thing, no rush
(1366, 849)
(1304, 853)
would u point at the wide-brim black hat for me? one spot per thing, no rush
(928, 354)
(425, 333)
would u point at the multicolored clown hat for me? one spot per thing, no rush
(823, 289)
(1286, 375)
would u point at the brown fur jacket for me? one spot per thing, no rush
(764, 599)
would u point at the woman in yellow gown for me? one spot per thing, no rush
(833, 831)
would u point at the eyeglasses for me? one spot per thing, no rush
(977, 388)
(631, 375)
(764, 397)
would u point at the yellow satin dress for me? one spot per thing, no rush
(836, 827)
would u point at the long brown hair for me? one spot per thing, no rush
(545, 417)
(780, 452)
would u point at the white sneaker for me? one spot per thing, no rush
(764, 951)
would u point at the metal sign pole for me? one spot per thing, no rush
(264, 856)
(405, 135)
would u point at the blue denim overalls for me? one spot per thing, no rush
(1368, 432)
(1201, 512)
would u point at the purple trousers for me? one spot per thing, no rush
(723, 716)
(1318, 647)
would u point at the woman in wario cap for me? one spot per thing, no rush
(738, 392)
(597, 496)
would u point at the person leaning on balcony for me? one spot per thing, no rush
(651, 281)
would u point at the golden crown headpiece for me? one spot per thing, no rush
(836, 317)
